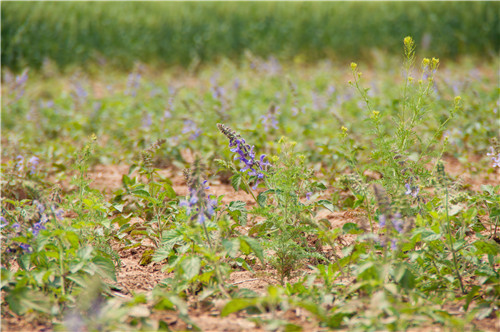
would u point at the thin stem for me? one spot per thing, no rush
(451, 246)
(61, 267)
(250, 190)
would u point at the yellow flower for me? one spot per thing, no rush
(408, 41)
(354, 65)
(457, 99)
(375, 114)
(435, 63)
(410, 78)
(425, 62)
(344, 129)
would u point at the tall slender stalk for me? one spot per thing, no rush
(451, 245)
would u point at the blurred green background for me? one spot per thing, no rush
(186, 33)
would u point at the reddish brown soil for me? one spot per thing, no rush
(134, 278)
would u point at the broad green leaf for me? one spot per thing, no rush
(191, 267)
(237, 305)
(237, 206)
(487, 247)
(105, 267)
(231, 247)
(351, 228)
(22, 299)
(327, 205)
(236, 181)
(78, 279)
(255, 246)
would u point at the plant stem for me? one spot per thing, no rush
(61, 267)
(451, 246)
(250, 190)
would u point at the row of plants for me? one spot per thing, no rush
(425, 242)
(190, 33)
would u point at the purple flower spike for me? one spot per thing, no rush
(381, 220)
(412, 190)
(408, 189)
(3, 222)
(25, 247)
(199, 206)
(245, 154)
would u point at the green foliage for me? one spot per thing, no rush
(360, 222)
(190, 33)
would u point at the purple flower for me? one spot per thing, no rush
(331, 90)
(37, 227)
(22, 79)
(191, 127)
(20, 84)
(167, 114)
(412, 190)
(147, 120)
(269, 119)
(80, 91)
(25, 247)
(20, 163)
(33, 162)
(59, 213)
(236, 84)
(308, 195)
(381, 220)
(39, 206)
(218, 92)
(245, 154)
(3, 222)
(496, 161)
(198, 205)
(44, 219)
(491, 153)
(394, 245)
(397, 222)
(133, 84)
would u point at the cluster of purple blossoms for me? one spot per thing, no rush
(198, 205)
(246, 154)
(191, 127)
(42, 217)
(133, 83)
(18, 84)
(80, 94)
(3, 222)
(218, 92)
(32, 164)
(147, 119)
(391, 221)
(269, 119)
(412, 190)
(393, 224)
(495, 157)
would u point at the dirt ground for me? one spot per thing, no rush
(134, 278)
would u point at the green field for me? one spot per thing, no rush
(186, 34)
(250, 183)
